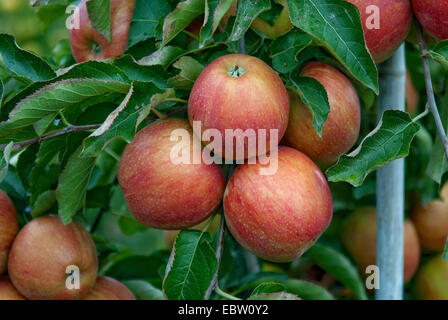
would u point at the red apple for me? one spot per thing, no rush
(8, 228)
(358, 235)
(7, 290)
(238, 91)
(431, 222)
(160, 193)
(107, 288)
(341, 129)
(431, 281)
(41, 254)
(384, 33)
(279, 216)
(433, 16)
(89, 44)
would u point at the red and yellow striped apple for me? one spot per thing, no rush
(386, 24)
(107, 288)
(7, 290)
(341, 129)
(433, 16)
(161, 193)
(8, 228)
(358, 235)
(431, 222)
(280, 216)
(89, 44)
(41, 254)
(238, 91)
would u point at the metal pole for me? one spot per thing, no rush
(390, 187)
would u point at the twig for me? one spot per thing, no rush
(69, 129)
(219, 246)
(431, 105)
(72, 128)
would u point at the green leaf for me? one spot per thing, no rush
(307, 290)
(165, 56)
(180, 18)
(268, 287)
(389, 141)
(125, 266)
(214, 12)
(99, 16)
(247, 11)
(189, 71)
(156, 99)
(72, 186)
(440, 53)
(445, 251)
(56, 97)
(1, 92)
(314, 95)
(137, 72)
(337, 26)
(43, 203)
(274, 296)
(122, 124)
(143, 290)
(5, 156)
(129, 226)
(50, 14)
(191, 267)
(339, 266)
(284, 50)
(21, 63)
(146, 18)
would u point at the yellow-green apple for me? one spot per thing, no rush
(281, 25)
(358, 234)
(7, 290)
(278, 216)
(171, 235)
(161, 191)
(431, 222)
(8, 228)
(48, 260)
(433, 16)
(386, 24)
(431, 281)
(341, 129)
(245, 101)
(88, 44)
(107, 288)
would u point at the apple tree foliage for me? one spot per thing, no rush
(64, 125)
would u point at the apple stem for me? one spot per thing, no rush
(236, 71)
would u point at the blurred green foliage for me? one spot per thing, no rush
(19, 18)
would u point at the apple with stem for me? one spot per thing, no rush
(88, 44)
(239, 95)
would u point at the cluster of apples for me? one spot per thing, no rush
(276, 216)
(426, 231)
(38, 256)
